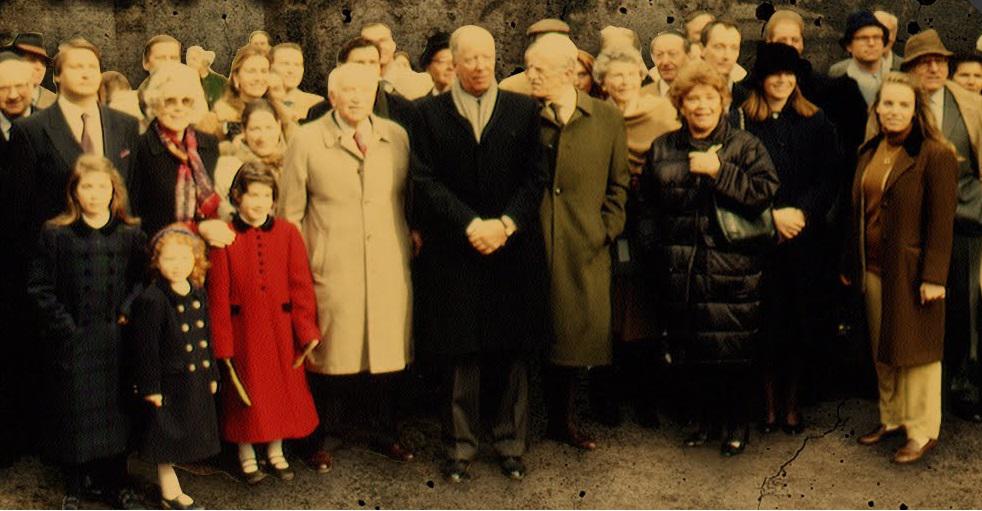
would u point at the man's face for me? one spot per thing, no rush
(722, 49)
(969, 75)
(546, 74)
(260, 41)
(932, 70)
(367, 55)
(80, 74)
(16, 88)
(789, 33)
(39, 65)
(382, 37)
(288, 63)
(353, 99)
(160, 53)
(441, 68)
(668, 54)
(474, 64)
(867, 44)
(693, 29)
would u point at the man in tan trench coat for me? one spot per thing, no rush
(582, 213)
(344, 182)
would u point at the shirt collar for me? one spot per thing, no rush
(365, 126)
(73, 111)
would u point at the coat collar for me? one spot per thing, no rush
(334, 135)
(241, 225)
(905, 159)
(157, 147)
(83, 229)
(717, 136)
(446, 101)
(584, 107)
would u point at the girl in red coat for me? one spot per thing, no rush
(264, 324)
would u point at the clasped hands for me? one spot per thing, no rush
(486, 236)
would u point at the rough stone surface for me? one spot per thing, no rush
(633, 468)
(121, 27)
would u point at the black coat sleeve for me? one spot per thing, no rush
(817, 201)
(523, 207)
(148, 324)
(749, 179)
(42, 285)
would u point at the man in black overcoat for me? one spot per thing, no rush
(479, 188)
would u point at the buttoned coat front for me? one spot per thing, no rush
(582, 213)
(351, 211)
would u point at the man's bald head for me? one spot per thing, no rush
(550, 65)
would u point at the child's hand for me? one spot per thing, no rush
(306, 353)
(214, 387)
(157, 400)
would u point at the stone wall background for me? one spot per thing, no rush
(121, 27)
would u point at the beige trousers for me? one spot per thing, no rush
(909, 396)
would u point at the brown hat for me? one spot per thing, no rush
(29, 42)
(547, 25)
(923, 43)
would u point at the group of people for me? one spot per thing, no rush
(295, 255)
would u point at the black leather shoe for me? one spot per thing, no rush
(513, 467)
(735, 443)
(455, 471)
(126, 498)
(700, 437)
(71, 502)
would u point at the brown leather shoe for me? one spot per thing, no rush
(909, 453)
(320, 461)
(879, 434)
(394, 451)
(574, 438)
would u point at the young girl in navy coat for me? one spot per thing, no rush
(175, 371)
(88, 268)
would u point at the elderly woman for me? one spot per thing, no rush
(619, 70)
(707, 287)
(248, 80)
(174, 162)
(802, 143)
(904, 199)
(344, 184)
(262, 139)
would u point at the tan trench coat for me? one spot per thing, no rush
(351, 212)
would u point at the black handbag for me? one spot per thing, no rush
(744, 231)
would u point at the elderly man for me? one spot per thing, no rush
(479, 190)
(286, 60)
(351, 164)
(30, 47)
(212, 83)
(891, 60)
(582, 213)
(43, 148)
(519, 82)
(959, 114)
(16, 93)
(669, 52)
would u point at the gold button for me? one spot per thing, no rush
(189, 348)
(192, 368)
(206, 364)
(203, 343)
(185, 327)
(196, 304)
(180, 308)
(199, 323)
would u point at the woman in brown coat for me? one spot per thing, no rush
(904, 197)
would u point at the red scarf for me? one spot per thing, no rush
(194, 196)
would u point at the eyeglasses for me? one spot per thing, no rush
(868, 38)
(932, 60)
(20, 87)
(186, 102)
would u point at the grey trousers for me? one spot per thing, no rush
(506, 380)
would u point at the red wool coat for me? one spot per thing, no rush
(263, 312)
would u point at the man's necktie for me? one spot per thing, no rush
(556, 113)
(87, 146)
(360, 143)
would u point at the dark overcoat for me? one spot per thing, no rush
(708, 291)
(470, 303)
(154, 178)
(582, 213)
(173, 357)
(82, 281)
(917, 215)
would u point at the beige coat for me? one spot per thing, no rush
(351, 212)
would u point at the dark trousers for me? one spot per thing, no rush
(106, 474)
(561, 388)
(505, 381)
(962, 316)
(362, 404)
(722, 396)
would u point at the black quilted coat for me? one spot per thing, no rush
(708, 291)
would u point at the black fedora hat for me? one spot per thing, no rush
(435, 43)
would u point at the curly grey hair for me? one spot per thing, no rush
(167, 75)
(617, 54)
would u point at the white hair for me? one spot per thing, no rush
(621, 53)
(359, 73)
(472, 34)
(169, 74)
(558, 48)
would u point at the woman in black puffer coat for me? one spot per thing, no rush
(708, 290)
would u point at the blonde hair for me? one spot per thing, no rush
(180, 233)
(923, 117)
(170, 73)
(91, 164)
(697, 72)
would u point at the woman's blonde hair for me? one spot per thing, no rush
(181, 234)
(694, 73)
(923, 116)
(118, 205)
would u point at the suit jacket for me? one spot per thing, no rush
(42, 153)
(470, 303)
(154, 178)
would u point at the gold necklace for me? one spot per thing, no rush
(888, 158)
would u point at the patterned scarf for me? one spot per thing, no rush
(194, 196)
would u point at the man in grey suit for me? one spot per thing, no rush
(959, 114)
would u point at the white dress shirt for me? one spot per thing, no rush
(73, 114)
(567, 104)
